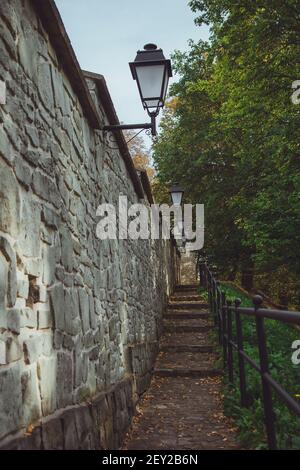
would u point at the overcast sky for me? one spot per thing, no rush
(106, 34)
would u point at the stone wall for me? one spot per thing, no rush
(79, 318)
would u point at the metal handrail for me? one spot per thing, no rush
(286, 316)
(223, 310)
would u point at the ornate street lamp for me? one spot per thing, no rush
(176, 193)
(152, 71)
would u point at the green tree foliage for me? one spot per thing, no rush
(139, 153)
(231, 132)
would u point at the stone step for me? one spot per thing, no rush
(178, 337)
(181, 348)
(182, 287)
(186, 360)
(198, 321)
(182, 314)
(185, 298)
(186, 292)
(187, 305)
(187, 328)
(183, 372)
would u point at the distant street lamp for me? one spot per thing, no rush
(176, 193)
(152, 71)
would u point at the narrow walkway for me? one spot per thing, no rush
(183, 409)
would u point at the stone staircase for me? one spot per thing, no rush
(183, 407)
(185, 349)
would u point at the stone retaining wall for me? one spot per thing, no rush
(98, 424)
(71, 306)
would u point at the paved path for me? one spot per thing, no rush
(183, 408)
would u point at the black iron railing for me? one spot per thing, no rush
(225, 313)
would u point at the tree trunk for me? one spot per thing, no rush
(247, 279)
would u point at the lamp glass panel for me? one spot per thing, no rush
(152, 103)
(176, 197)
(165, 85)
(150, 79)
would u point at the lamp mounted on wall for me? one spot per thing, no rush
(152, 71)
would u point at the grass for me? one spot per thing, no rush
(250, 421)
(202, 292)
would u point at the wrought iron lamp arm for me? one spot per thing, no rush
(120, 127)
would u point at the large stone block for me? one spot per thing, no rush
(44, 187)
(50, 254)
(29, 238)
(10, 399)
(42, 293)
(32, 156)
(81, 367)
(23, 172)
(6, 149)
(36, 346)
(84, 309)
(30, 395)
(68, 342)
(28, 318)
(52, 435)
(33, 267)
(98, 335)
(57, 298)
(47, 376)
(22, 285)
(45, 85)
(58, 338)
(3, 289)
(88, 339)
(61, 99)
(14, 320)
(64, 379)
(27, 51)
(67, 250)
(33, 135)
(2, 352)
(50, 218)
(72, 318)
(70, 431)
(44, 318)
(85, 428)
(11, 283)
(9, 201)
(113, 326)
(9, 41)
(10, 13)
(92, 312)
(13, 349)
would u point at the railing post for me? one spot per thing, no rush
(264, 366)
(229, 335)
(224, 327)
(219, 312)
(209, 286)
(201, 274)
(205, 275)
(240, 343)
(214, 300)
